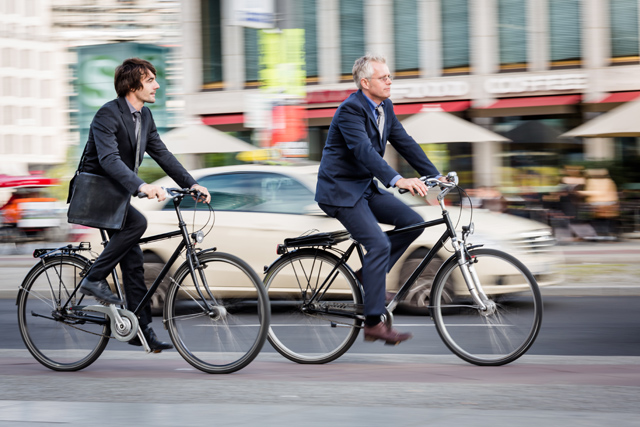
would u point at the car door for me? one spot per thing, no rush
(252, 212)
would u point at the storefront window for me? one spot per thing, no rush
(624, 30)
(352, 44)
(211, 43)
(305, 17)
(455, 36)
(512, 34)
(406, 40)
(564, 33)
(251, 55)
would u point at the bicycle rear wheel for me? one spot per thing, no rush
(509, 326)
(55, 329)
(230, 336)
(312, 330)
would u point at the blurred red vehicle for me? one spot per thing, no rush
(28, 212)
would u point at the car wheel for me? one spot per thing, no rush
(417, 300)
(153, 264)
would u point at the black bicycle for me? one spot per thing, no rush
(216, 310)
(317, 302)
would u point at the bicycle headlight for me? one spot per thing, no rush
(198, 236)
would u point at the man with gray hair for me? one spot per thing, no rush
(352, 157)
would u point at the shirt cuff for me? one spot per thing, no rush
(144, 183)
(394, 180)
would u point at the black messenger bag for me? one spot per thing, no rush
(97, 201)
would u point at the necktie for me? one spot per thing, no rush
(380, 111)
(138, 122)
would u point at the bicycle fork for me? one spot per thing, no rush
(466, 261)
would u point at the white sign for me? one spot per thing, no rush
(253, 13)
(501, 85)
(435, 89)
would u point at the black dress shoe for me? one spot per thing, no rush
(100, 290)
(154, 343)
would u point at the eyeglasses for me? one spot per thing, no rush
(382, 79)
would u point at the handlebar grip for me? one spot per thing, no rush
(142, 195)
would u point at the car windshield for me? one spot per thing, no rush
(254, 192)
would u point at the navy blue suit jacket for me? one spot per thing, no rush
(353, 153)
(111, 147)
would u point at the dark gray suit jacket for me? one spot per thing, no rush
(353, 153)
(111, 147)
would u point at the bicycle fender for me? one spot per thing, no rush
(452, 259)
(38, 264)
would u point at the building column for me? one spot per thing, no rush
(599, 148)
(538, 30)
(191, 46)
(484, 45)
(378, 21)
(430, 38)
(596, 50)
(328, 41)
(233, 72)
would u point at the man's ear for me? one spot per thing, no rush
(364, 83)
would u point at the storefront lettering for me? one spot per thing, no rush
(429, 90)
(500, 85)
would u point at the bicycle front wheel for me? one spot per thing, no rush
(509, 326)
(223, 328)
(314, 306)
(53, 325)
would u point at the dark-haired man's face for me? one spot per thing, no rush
(149, 87)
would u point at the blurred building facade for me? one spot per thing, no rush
(31, 94)
(498, 63)
(39, 69)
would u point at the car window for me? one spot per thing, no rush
(254, 192)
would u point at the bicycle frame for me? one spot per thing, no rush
(464, 260)
(192, 259)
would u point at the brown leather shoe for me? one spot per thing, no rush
(382, 332)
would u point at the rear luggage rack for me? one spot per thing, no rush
(326, 239)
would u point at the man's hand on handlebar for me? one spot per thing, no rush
(154, 191)
(413, 185)
(204, 192)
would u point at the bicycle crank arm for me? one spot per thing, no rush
(124, 324)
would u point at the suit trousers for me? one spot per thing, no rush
(123, 249)
(362, 222)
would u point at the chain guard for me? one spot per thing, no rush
(127, 330)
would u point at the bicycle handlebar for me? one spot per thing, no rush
(172, 193)
(452, 179)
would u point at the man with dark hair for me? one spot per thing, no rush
(352, 157)
(119, 135)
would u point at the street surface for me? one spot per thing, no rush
(583, 370)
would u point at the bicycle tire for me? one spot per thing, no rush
(501, 334)
(229, 339)
(57, 338)
(308, 336)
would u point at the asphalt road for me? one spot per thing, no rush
(572, 326)
(583, 370)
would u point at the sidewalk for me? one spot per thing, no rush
(583, 267)
(357, 390)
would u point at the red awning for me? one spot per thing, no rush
(319, 113)
(448, 106)
(620, 97)
(223, 119)
(399, 109)
(535, 101)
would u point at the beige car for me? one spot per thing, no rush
(258, 206)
